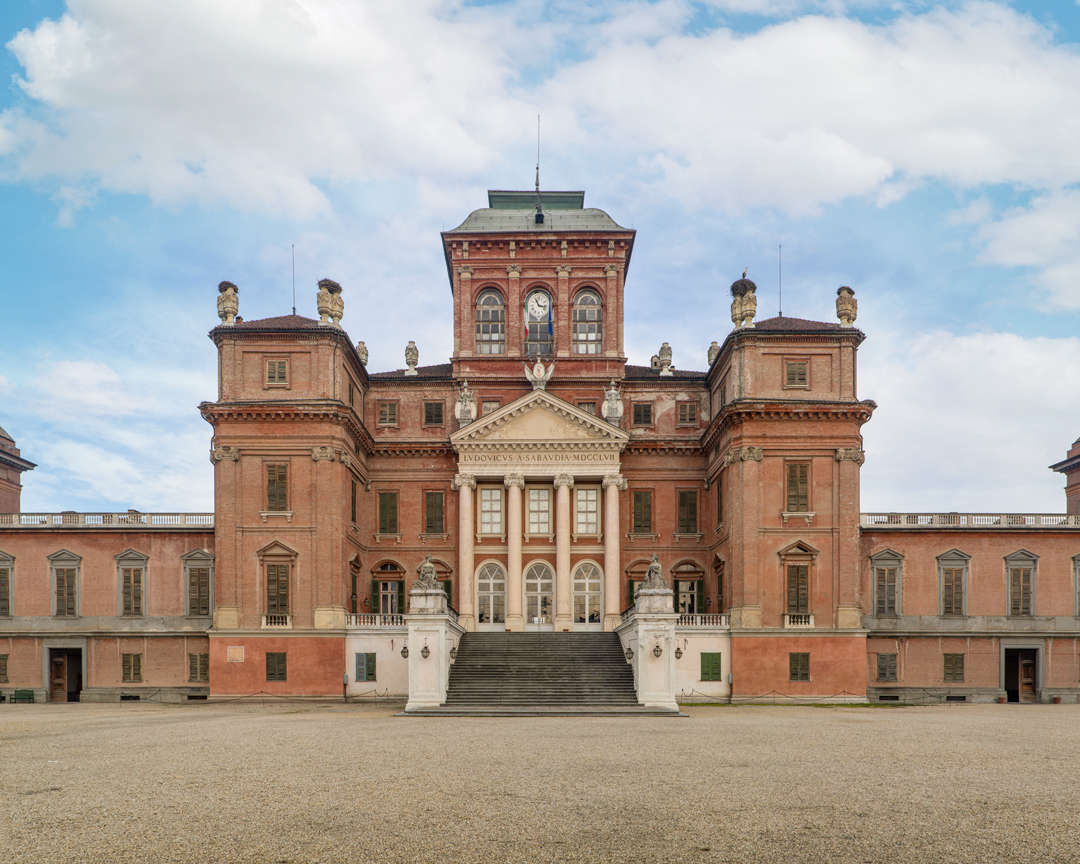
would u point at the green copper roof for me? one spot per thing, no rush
(501, 199)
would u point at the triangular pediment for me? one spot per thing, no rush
(540, 419)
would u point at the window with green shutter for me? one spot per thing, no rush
(352, 501)
(687, 512)
(277, 589)
(3, 668)
(642, 511)
(1020, 591)
(642, 414)
(799, 666)
(634, 585)
(710, 666)
(388, 513)
(720, 500)
(954, 667)
(198, 590)
(798, 589)
(886, 667)
(133, 590)
(365, 667)
(198, 667)
(798, 487)
(131, 668)
(275, 666)
(433, 513)
(5, 592)
(277, 488)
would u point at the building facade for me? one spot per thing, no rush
(541, 475)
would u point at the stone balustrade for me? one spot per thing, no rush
(124, 521)
(702, 621)
(277, 622)
(368, 619)
(980, 521)
(798, 620)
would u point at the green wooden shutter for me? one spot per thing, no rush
(353, 501)
(716, 666)
(675, 592)
(204, 667)
(401, 597)
(375, 596)
(126, 573)
(5, 591)
(359, 673)
(699, 597)
(125, 671)
(448, 587)
(633, 586)
(793, 667)
(706, 666)
(369, 666)
(439, 521)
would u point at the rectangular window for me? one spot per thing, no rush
(798, 589)
(277, 371)
(3, 668)
(642, 511)
(1019, 591)
(198, 667)
(687, 512)
(952, 591)
(433, 513)
(587, 407)
(277, 488)
(642, 415)
(5, 592)
(132, 668)
(488, 406)
(886, 667)
(388, 522)
(719, 500)
(954, 667)
(133, 590)
(798, 487)
(352, 394)
(799, 666)
(588, 511)
(433, 413)
(388, 413)
(491, 510)
(277, 589)
(198, 590)
(275, 666)
(687, 414)
(389, 597)
(539, 511)
(65, 592)
(885, 578)
(710, 666)
(365, 667)
(795, 373)
(352, 501)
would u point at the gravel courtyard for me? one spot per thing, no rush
(300, 783)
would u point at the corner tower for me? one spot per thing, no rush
(12, 466)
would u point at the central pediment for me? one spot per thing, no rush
(539, 430)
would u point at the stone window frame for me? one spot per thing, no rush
(277, 553)
(575, 497)
(650, 530)
(269, 384)
(1020, 558)
(393, 414)
(645, 424)
(798, 554)
(424, 492)
(65, 560)
(887, 558)
(488, 486)
(895, 667)
(442, 413)
(581, 406)
(583, 289)
(786, 364)
(131, 559)
(953, 559)
(197, 559)
(546, 487)
(687, 404)
(7, 562)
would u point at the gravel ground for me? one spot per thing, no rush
(301, 783)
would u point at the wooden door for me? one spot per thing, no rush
(1027, 676)
(58, 679)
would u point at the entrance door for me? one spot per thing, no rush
(491, 598)
(1027, 676)
(539, 598)
(587, 592)
(58, 685)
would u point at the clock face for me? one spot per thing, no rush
(538, 306)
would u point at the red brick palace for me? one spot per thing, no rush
(541, 473)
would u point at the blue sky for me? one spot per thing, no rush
(924, 154)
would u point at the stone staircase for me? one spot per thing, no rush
(541, 674)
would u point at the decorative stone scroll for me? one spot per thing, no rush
(228, 304)
(514, 480)
(850, 453)
(463, 480)
(219, 453)
(564, 480)
(743, 454)
(320, 453)
(615, 480)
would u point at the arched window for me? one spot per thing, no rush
(587, 321)
(490, 323)
(539, 330)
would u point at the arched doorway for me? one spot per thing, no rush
(539, 597)
(588, 587)
(491, 597)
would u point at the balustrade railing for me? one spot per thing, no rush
(277, 622)
(628, 612)
(367, 619)
(798, 620)
(106, 520)
(970, 520)
(702, 621)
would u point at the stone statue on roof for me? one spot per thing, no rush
(612, 408)
(743, 302)
(538, 376)
(847, 307)
(228, 304)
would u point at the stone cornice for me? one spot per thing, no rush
(332, 410)
(475, 433)
(16, 462)
(250, 333)
(738, 412)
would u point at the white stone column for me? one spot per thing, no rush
(613, 485)
(465, 483)
(514, 531)
(563, 595)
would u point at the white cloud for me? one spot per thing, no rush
(6, 386)
(72, 388)
(968, 422)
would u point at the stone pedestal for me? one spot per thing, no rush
(652, 625)
(431, 625)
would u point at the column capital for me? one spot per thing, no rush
(615, 480)
(514, 480)
(563, 269)
(465, 271)
(514, 271)
(611, 270)
(463, 480)
(564, 480)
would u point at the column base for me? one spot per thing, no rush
(563, 622)
(515, 623)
